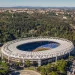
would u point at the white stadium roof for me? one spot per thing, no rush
(9, 49)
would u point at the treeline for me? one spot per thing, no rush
(19, 25)
(58, 68)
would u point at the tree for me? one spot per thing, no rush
(53, 73)
(43, 71)
(61, 66)
(3, 68)
(27, 63)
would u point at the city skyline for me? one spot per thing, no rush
(37, 3)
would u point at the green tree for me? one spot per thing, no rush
(53, 73)
(3, 68)
(43, 71)
(27, 63)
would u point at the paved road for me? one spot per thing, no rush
(72, 69)
(0, 51)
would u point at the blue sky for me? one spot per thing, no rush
(42, 3)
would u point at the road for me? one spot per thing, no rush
(72, 69)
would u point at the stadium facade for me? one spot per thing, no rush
(12, 53)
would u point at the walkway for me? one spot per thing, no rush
(25, 72)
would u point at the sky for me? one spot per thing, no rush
(40, 3)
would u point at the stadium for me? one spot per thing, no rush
(37, 49)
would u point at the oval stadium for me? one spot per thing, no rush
(37, 49)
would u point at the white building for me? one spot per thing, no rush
(10, 51)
